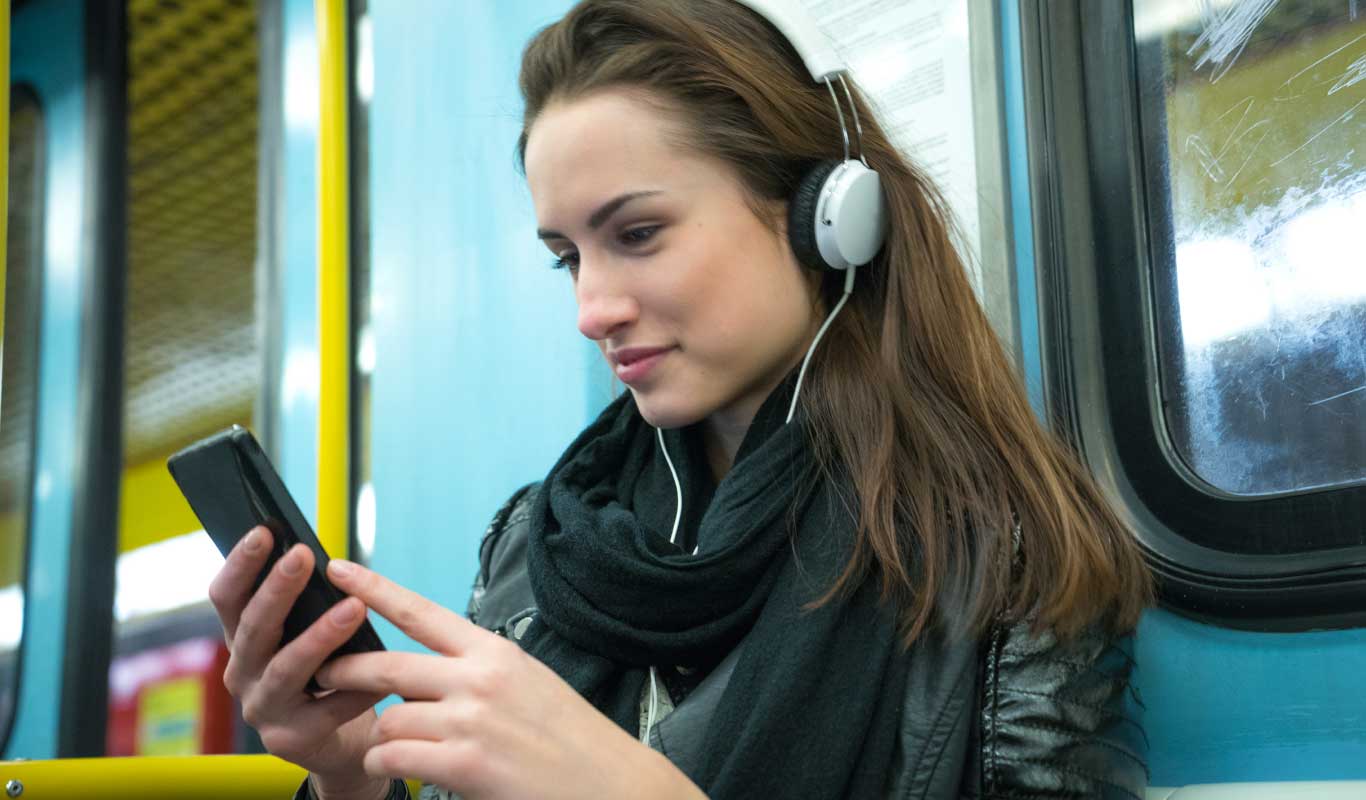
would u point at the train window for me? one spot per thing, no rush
(192, 349)
(1262, 292)
(1199, 203)
(20, 284)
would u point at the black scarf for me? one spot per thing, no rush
(814, 702)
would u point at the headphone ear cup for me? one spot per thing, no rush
(801, 216)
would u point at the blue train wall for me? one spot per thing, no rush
(481, 378)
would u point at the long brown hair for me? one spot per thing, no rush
(911, 391)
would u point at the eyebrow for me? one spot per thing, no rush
(601, 215)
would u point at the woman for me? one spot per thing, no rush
(910, 589)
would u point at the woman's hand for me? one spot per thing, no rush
(483, 718)
(326, 735)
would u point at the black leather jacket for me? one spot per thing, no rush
(1018, 715)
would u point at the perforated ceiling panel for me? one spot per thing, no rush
(192, 359)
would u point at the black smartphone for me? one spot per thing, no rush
(232, 488)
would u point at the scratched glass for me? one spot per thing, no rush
(1256, 158)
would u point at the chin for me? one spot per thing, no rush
(663, 411)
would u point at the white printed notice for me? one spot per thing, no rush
(911, 57)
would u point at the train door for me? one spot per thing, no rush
(66, 70)
(192, 357)
(146, 118)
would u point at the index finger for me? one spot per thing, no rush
(435, 626)
(232, 587)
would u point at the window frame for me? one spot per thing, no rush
(33, 300)
(360, 384)
(1100, 353)
(89, 630)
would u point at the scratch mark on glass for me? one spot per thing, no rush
(1227, 32)
(1252, 151)
(1320, 61)
(1345, 115)
(1361, 388)
(1210, 162)
(1354, 75)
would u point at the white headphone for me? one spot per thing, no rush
(837, 218)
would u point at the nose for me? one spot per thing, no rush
(605, 306)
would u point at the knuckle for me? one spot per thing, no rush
(252, 714)
(467, 759)
(272, 588)
(316, 641)
(276, 672)
(232, 678)
(218, 593)
(277, 741)
(250, 629)
(490, 680)
(387, 727)
(365, 580)
(389, 675)
(468, 718)
(381, 761)
(409, 612)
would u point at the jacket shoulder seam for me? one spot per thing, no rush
(1043, 726)
(1061, 698)
(1071, 770)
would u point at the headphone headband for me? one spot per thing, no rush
(837, 216)
(796, 23)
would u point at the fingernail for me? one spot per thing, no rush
(344, 613)
(292, 563)
(255, 541)
(340, 567)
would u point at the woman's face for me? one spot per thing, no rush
(698, 306)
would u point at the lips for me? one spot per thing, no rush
(632, 364)
(627, 356)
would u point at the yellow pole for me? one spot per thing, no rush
(334, 413)
(220, 777)
(197, 778)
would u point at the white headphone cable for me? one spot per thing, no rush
(673, 536)
(848, 289)
(678, 487)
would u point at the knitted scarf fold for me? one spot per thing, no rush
(813, 706)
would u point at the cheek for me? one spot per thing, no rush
(731, 290)
(760, 306)
(773, 289)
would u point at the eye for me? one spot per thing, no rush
(641, 235)
(568, 260)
